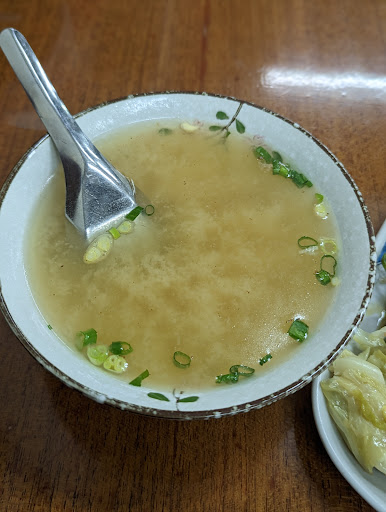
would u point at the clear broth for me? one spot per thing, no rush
(216, 272)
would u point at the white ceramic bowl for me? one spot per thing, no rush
(22, 191)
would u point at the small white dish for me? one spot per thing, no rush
(372, 487)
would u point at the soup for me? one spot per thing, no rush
(215, 273)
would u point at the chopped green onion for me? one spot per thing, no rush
(138, 380)
(308, 242)
(323, 277)
(50, 327)
(134, 213)
(188, 399)
(383, 261)
(321, 210)
(319, 198)
(262, 154)
(215, 128)
(88, 337)
(328, 246)
(117, 348)
(277, 156)
(298, 330)
(115, 233)
(158, 396)
(99, 248)
(189, 128)
(115, 364)
(299, 179)
(241, 369)
(97, 354)
(165, 131)
(149, 209)
(125, 227)
(265, 359)
(228, 378)
(181, 360)
(334, 263)
(239, 126)
(221, 115)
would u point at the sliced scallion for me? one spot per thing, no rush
(181, 360)
(323, 277)
(277, 156)
(228, 378)
(50, 327)
(125, 227)
(115, 364)
(134, 213)
(149, 209)
(114, 233)
(120, 348)
(241, 369)
(306, 241)
(97, 354)
(138, 380)
(328, 259)
(88, 337)
(262, 154)
(328, 246)
(318, 198)
(265, 359)
(298, 330)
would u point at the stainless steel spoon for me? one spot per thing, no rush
(97, 195)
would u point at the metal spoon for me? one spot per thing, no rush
(97, 195)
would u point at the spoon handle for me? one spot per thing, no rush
(61, 126)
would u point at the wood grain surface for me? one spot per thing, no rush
(321, 63)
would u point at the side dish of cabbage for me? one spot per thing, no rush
(356, 398)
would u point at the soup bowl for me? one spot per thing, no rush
(24, 187)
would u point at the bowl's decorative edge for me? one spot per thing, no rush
(229, 411)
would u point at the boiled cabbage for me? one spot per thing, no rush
(356, 399)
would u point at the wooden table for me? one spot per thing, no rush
(321, 63)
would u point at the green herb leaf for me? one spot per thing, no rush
(298, 330)
(118, 348)
(241, 369)
(239, 126)
(265, 359)
(221, 115)
(263, 154)
(149, 209)
(138, 380)
(158, 396)
(188, 399)
(181, 360)
(134, 213)
(88, 337)
(215, 128)
(165, 131)
(307, 241)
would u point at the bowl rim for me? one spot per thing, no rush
(218, 412)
